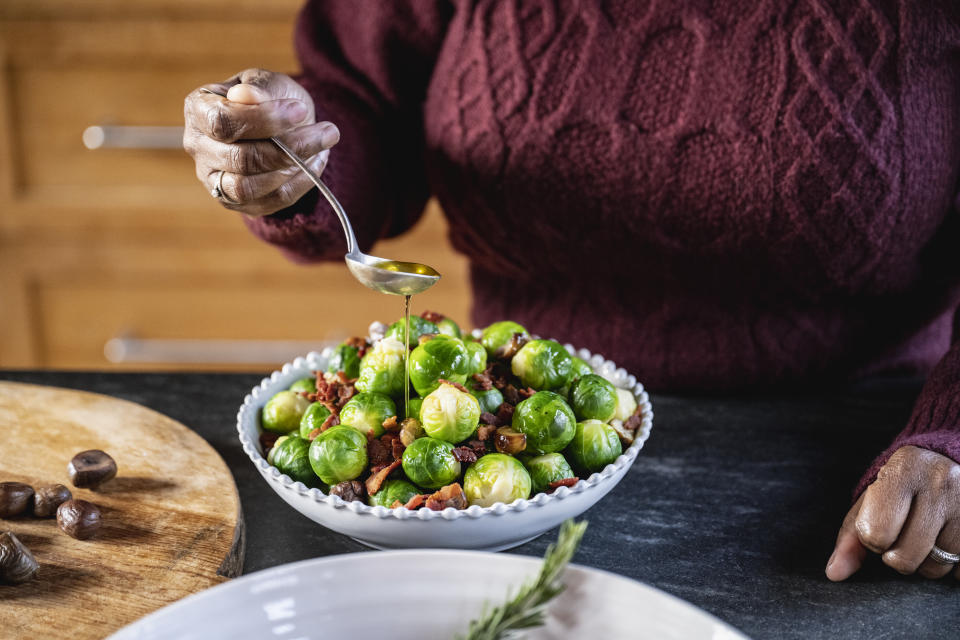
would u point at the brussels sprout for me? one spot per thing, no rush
(367, 411)
(413, 409)
(418, 327)
(626, 404)
(283, 412)
(449, 328)
(499, 334)
(546, 420)
(391, 491)
(542, 364)
(441, 357)
(273, 449)
(304, 384)
(313, 418)
(477, 358)
(579, 367)
(338, 454)
(449, 414)
(593, 398)
(490, 400)
(496, 477)
(381, 369)
(594, 446)
(292, 457)
(547, 468)
(345, 358)
(429, 463)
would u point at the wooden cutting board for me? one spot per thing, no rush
(172, 524)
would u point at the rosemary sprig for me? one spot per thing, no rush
(528, 608)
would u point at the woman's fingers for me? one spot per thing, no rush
(253, 157)
(220, 119)
(848, 553)
(949, 541)
(886, 505)
(267, 193)
(919, 532)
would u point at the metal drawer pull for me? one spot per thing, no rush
(110, 137)
(193, 351)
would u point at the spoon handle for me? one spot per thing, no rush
(324, 189)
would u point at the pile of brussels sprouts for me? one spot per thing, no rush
(506, 415)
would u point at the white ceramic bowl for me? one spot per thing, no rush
(412, 595)
(500, 526)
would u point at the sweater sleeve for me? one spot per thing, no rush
(367, 66)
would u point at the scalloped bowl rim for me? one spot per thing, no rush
(312, 362)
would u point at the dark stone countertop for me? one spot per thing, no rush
(733, 504)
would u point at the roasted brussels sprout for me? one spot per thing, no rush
(418, 327)
(476, 358)
(441, 357)
(594, 446)
(498, 334)
(338, 454)
(367, 411)
(496, 477)
(626, 404)
(449, 328)
(391, 491)
(313, 418)
(449, 414)
(413, 410)
(345, 358)
(273, 449)
(304, 384)
(593, 398)
(542, 364)
(579, 367)
(291, 455)
(547, 468)
(430, 463)
(282, 413)
(490, 400)
(546, 420)
(381, 369)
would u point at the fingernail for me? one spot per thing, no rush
(330, 135)
(296, 111)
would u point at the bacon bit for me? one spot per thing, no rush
(267, 440)
(505, 414)
(449, 496)
(331, 421)
(526, 393)
(433, 316)
(416, 501)
(391, 424)
(484, 432)
(378, 453)
(483, 381)
(635, 421)
(375, 481)
(360, 344)
(566, 482)
(455, 385)
(396, 504)
(510, 394)
(313, 434)
(488, 418)
(510, 349)
(479, 447)
(344, 393)
(397, 449)
(465, 454)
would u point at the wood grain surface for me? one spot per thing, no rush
(171, 517)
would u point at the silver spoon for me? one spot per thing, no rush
(380, 274)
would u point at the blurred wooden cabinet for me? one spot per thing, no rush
(124, 242)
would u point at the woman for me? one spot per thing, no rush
(727, 198)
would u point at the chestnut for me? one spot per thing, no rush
(15, 497)
(79, 519)
(91, 468)
(48, 498)
(17, 564)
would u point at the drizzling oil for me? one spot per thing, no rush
(406, 356)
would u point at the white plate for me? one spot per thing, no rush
(416, 595)
(500, 526)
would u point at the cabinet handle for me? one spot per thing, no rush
(110, 137)
(195, 351)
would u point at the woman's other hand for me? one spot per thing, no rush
(913, 505)
(230, 135)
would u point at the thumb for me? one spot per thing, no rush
(848, 554)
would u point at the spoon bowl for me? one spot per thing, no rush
(386, 276)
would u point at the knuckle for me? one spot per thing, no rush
(871, 537)
(899, 563)
(929, 571)
(221, 126)
(243, 189)
(246, 159)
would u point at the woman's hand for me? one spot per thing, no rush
(913, 505)
(231, 135)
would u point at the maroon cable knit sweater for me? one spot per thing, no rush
(716, 195)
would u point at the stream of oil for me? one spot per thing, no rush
(406, 356)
